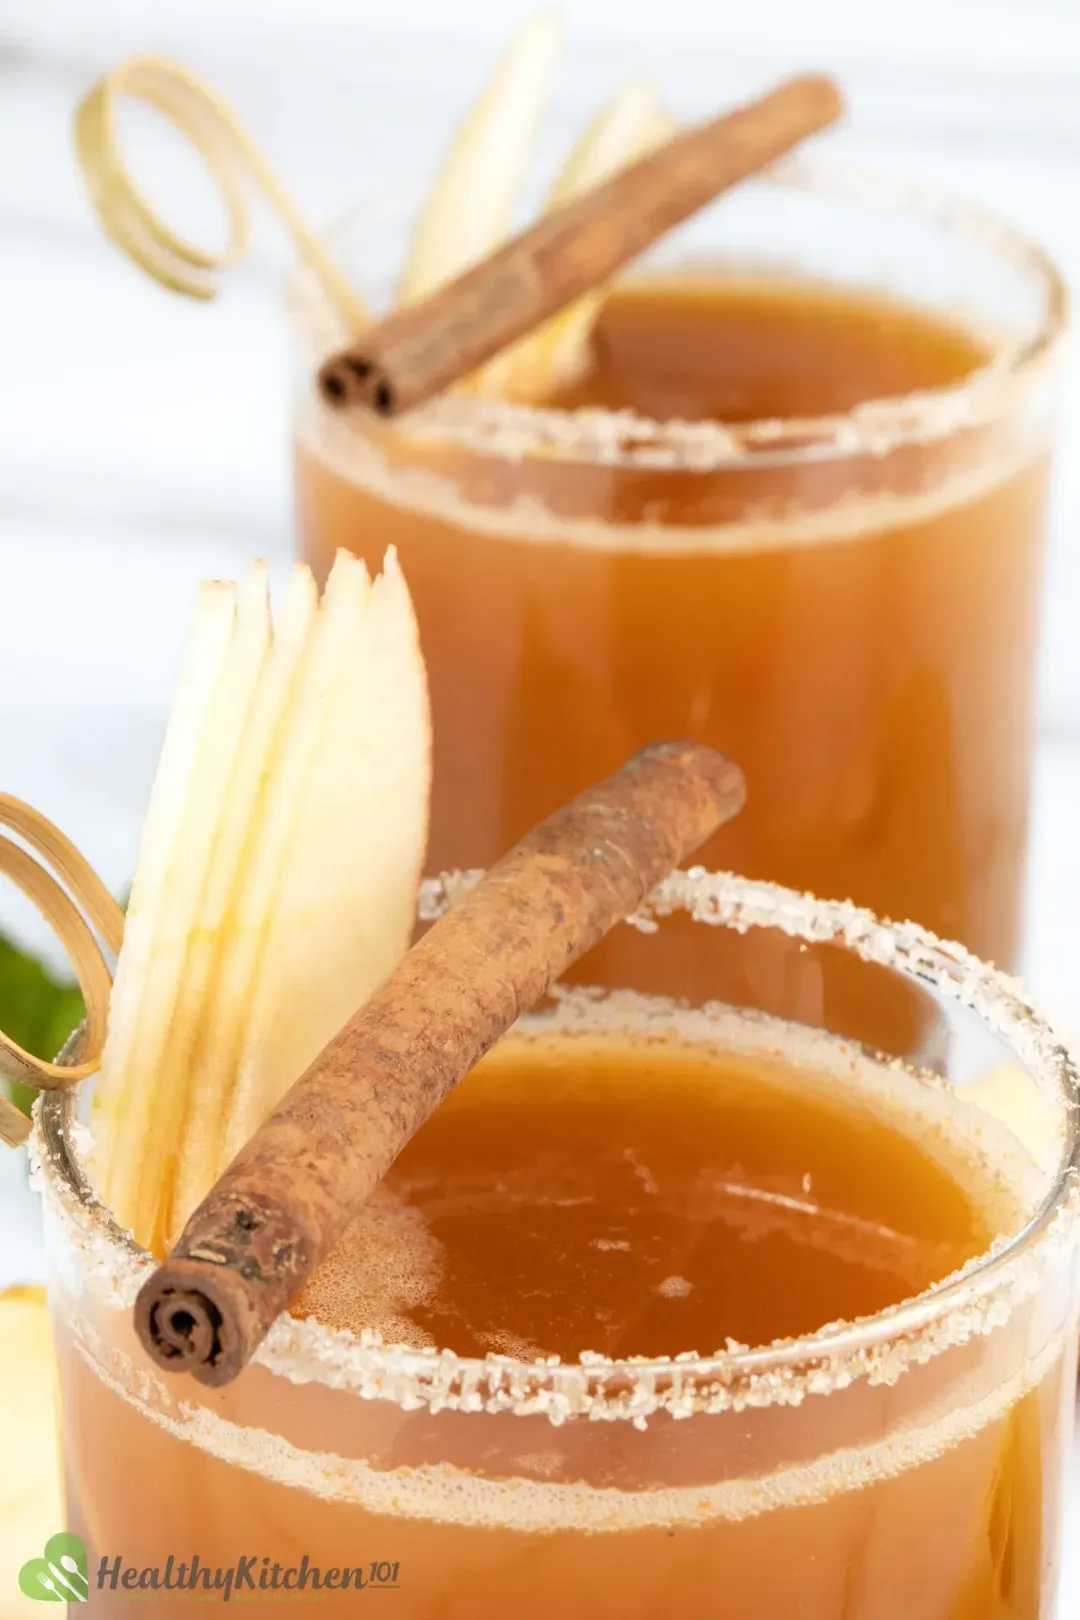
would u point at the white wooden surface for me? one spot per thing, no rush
(143, 440)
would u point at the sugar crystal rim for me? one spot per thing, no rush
(973, 1300)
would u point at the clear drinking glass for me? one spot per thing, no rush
(846, 602)
(909, 1463)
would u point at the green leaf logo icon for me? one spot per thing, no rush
(59, 1576)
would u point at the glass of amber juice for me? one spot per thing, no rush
(676, 1307)
(793, 506)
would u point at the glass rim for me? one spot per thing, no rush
(909, 1331)
(875, 427)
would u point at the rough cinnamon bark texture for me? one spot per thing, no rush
(289, 1194)
(420, 350)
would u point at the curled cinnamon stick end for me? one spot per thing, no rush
(421, 350)
(290, 1193)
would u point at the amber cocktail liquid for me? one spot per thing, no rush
(717, 536)
(577, 1257)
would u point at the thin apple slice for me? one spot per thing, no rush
(344, 909)
(1010, 1095)
(275, 844)
(303, 704)
(137, 1028)
(212, 1039)
(634, 122)
(31, 1499)
(239, 937)
(470, 207)
(183, 961)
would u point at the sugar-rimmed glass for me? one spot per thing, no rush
(913, 1458)
(847, 603)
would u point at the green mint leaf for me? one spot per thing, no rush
(37, 1009)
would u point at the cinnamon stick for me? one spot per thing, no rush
(422, 349)
(290, 1193)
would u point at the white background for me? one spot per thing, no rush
(143, 440)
